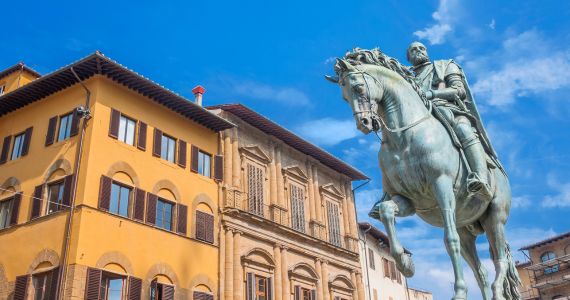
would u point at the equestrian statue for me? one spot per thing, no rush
(436, 159)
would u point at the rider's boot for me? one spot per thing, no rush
(477, 180)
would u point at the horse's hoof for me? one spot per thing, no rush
(406, 265)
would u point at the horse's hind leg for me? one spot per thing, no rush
(469, 252)
(506, 278)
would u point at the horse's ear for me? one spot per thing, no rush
(346, 65)
(332, 79)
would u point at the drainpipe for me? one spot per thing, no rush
(356, 217)
(85, 114)
(366, 259)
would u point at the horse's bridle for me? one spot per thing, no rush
(373, 106)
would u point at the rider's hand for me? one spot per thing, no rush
(429, 95)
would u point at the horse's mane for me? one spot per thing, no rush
(375, 56)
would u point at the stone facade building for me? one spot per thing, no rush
(117, 203)
(546, 274)
(415, 294)
(288, 216)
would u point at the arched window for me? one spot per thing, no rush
(546, 257)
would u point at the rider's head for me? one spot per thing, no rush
(417, 54)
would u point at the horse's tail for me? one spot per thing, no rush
(512, 280)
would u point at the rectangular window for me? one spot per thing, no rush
(306, 294)
(159, 291)
(64, 127)
(2, 88)
(334, 224)
(127, 130)
(120, 199)
(5, 212)
(112, 287)
(297, 195)
(386, 265)
(371, 259)
(168, 148)
(42, 285)
(204, 163)
(260, 288)
(255, 180)
(164, 214)
(17, 150)
(55, 197)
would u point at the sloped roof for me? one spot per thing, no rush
(547, 241)
(97, 63)
(264, 124)
(17, 67)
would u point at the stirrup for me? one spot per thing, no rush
(478, 186)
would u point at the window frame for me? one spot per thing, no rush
(22, 141)
(257, 286)
(130, 200)
(106, 278)
(306, 292)
(125, 131)
(46, 287)
(550, 256)
(67, 134)
(258, 198)
(298, 211)
(173, 206)
(201, 166)
(9, 201)
(2, 89)
(61, 192)
(371, 261)
(165, 149)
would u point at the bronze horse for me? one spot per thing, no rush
(424, 174)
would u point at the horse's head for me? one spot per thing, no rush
(361, 91)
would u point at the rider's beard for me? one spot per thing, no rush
(419, 58)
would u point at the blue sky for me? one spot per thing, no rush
(272, 57)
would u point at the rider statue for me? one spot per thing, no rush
(444, 84)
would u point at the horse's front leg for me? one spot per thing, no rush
(443, 190)
(387, 211)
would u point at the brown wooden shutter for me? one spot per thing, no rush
(151, 208)
(182, 219)
(157, 142)
(209, 228)
(182, 153)
(54, 280)
(15, 208)
(27, 141)
(75, 118)
(135, 288)
(194, 159)
(67, 186)
(386, 267)
(200, 225)
(371, 258)
(167, 292)
(114, 123)
(50, 136)
(5, 149)
(20, 290)
(250, 286)
(219, 167)
(138, 213)
(297, 292)
(313, 294)
(93, 284)
(141, 141)
(37, 202)
(105, 193)
(336, 298)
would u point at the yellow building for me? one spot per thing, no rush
(288, 215)
(109, 186)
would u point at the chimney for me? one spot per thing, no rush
(198, 91)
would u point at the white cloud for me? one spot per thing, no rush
(328, 131)
(443, 16)
(260, 91)
(562, 198)
(493, 24)
(527, 64)
(520, 202)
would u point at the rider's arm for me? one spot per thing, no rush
(454, 85)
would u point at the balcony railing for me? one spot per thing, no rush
(552, 273)
(236, 199)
